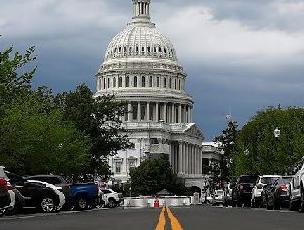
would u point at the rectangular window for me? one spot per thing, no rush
(157, 82)
(118, 167)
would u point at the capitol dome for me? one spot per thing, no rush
(142, 41)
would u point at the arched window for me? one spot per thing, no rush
(151, 81)
(170, 83)
(114, 82)
(143, 81)
(108, 83)
(104, 82)
(157, 82)
(119, 82)
(165, 82)
(135, 81)
(175, 84)
(159, 49)
(127, 81)
(179, 84)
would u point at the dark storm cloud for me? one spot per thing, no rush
(240, 55)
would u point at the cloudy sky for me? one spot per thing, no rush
(240, 55)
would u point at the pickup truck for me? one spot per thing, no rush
(296, 189)
(81, 196)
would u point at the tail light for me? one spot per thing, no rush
(283, 188)
(6, 184)
(3, 182)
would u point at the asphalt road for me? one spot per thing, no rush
(194, 218)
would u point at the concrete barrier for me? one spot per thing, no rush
(144, 202)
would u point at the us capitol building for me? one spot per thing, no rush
(141, 68)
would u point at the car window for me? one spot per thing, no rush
(15, 179)
(106, 191)
(49, 179)
(269, 180)
(286, 180)
(248, 179)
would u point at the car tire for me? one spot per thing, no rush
(276, 205)
(112, 203)
(47, 205)
(301, 209)
(81, 203)
(2, 212)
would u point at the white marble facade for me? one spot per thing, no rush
(141, 68)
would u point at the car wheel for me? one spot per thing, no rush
(112, 203)
(276, 205)
(2, 212)
(47, 205)
(302, 201)
(81, 203)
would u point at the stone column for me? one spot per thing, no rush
(148, 111)
(130, 112)
(138, 112)
(199, 160)
(165, 112)
(187, 158)
(194, 160)
(172, 115)
(157, 112)
(180, 113)
(190, 114)
(180, 157)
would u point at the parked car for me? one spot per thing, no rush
(276, 195)
(112, 199)
(228, 194)
(6, 197)
(242, 192)
(36, 194)
(78, 195)
(296, 189)
(257, 196)
(218, 197)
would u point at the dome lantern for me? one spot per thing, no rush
(141, 10)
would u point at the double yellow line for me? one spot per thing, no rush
(175, 224)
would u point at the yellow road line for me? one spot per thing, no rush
(162, 220)
(175, 225)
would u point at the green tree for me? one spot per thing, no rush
(100, 119)
(227, 142)
(260, 152)
(34, 139)
(154, 175)
(16, 75)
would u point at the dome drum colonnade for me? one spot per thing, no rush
(141, 68)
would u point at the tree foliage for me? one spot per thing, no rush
(41, 132)
(15, 75)
(100, 119)
(154, 175)
(258, 151)
(35, 140)
(227, 142)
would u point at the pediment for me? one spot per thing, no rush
(194, 131)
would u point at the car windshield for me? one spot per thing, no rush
(219, 192)
(269, 180)
(248, 179)
(286, 180)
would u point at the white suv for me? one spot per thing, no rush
(111, 198)
(256, 200)
(296, 189)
